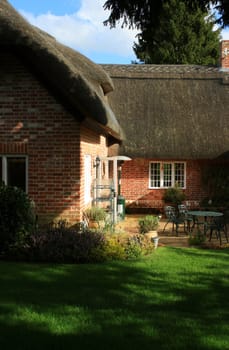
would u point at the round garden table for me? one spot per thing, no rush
(205, 214)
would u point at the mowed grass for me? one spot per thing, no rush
(174, 299)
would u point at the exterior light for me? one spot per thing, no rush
(97, 162)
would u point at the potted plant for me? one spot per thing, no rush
(96, 216)
(148, 224)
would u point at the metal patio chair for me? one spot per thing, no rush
(171, 217)
(188, 219)
(218, 226)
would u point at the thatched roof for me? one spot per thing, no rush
(81, 83)
(170, 112)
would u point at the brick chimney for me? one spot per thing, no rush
(224, 54)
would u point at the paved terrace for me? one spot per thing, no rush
(167, 238)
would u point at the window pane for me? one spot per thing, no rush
(179, 174)
(167, 174)
(155, 175)
(16, 172)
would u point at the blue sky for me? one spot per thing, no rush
(38, 7)
(79, 24)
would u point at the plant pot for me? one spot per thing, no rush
(155, 241)
(93, 224)
(96, 224)
(151, 234)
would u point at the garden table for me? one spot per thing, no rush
(205, 214)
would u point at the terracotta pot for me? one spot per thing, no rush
(151, 234)
(93, 224)
(96, 224)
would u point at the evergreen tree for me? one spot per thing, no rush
(145, 13)
(183, 36)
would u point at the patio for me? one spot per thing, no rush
(167, 238)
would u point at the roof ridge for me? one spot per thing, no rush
(160, 68)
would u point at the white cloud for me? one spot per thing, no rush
(225, 34)
(85, 32)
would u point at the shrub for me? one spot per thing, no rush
(197, 239)
(16, 215)
(111, 250)
(59, 245)
(174, 195)
(124, 247)
(133, 248)
(148, 223)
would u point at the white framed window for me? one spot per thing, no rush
(167, 174)
(14, 171)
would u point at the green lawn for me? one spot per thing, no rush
(176, 299)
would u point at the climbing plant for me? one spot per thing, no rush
(215, 179)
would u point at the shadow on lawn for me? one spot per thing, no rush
(130, 305)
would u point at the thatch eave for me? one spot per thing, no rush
(171, 154)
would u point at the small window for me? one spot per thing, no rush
(167, 174)
(13, 171)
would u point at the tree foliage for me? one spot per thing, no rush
(180, 39)
(142, 13)
(171, 31)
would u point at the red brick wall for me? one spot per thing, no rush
(135, 183)
(35, 124)
(94, 145)
(224, 54)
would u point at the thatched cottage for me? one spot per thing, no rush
(54, 118)
(62, 125)
(176, 122)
